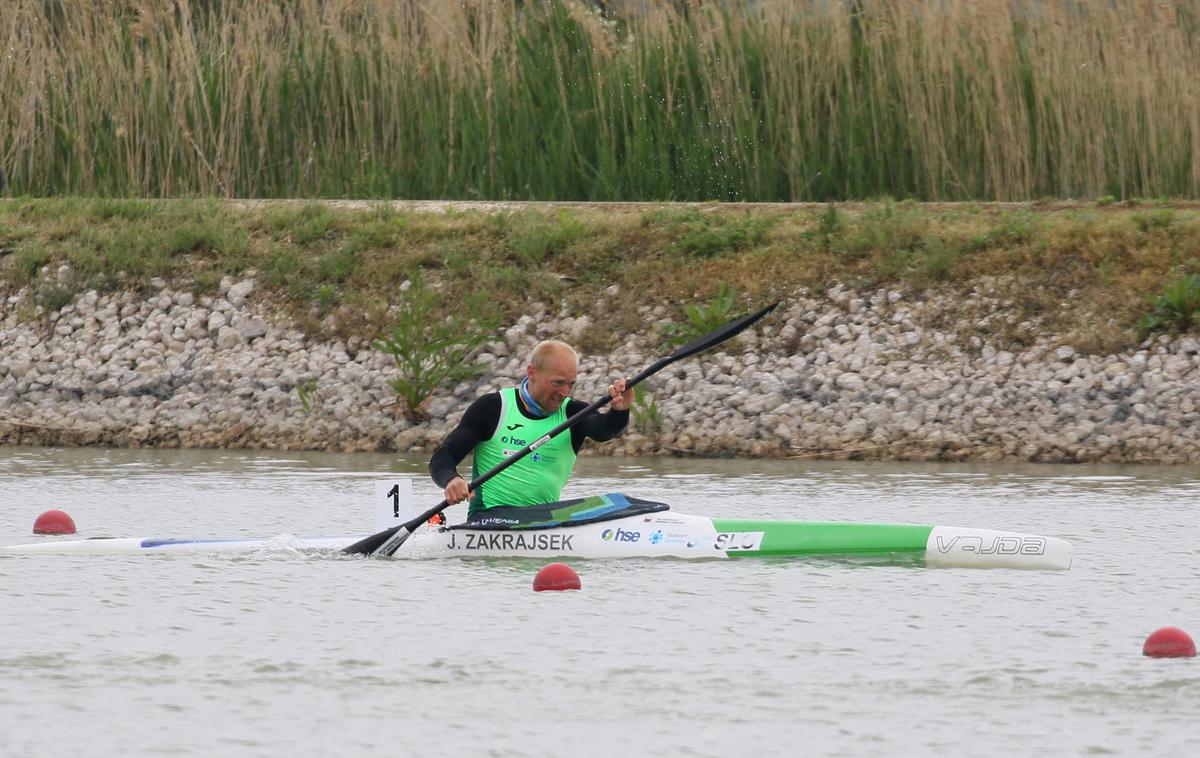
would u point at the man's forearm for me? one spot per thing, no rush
(443, 467)
(608, 425)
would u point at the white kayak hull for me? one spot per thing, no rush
(664, 534)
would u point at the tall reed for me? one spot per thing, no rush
(550, 99)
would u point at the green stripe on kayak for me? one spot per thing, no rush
(819, 537)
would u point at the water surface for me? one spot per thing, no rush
(279, 653)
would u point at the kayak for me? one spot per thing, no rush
(660, 535)
(598, 528)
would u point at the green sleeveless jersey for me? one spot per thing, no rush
(538, 477)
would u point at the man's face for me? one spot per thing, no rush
(552, 384)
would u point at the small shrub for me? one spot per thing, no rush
(1176, 310)
(306, 391)
(538, 240)
(383, 228)
(28, 260)
(979, 242)
(337, 265)
(55, 296)
(1015, 228)
(894, 264)
(203, 237)
(125, 253)
(303, 225)
(936, 262)
(647, 418)
(430, 351)
(829, 226)
(709, 239)
(703, 318)
(1159, 219)
(706, 235)
(831, 221)
(281, 265)
(326, 297)
(882, 229)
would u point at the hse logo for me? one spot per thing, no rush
(739, 541)
(620, 535)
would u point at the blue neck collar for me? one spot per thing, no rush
(530, 403)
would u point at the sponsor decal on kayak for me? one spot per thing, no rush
(488, 520)
(739, 541)
(620, 535)
(999, 545)
(513, 541)
(659, 537)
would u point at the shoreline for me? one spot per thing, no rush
(842, 375)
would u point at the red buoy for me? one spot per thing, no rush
(556, 576)
(54, 522)
(1169, 642)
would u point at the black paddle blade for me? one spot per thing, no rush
(368, 545)
(718, 336)
(387, 541)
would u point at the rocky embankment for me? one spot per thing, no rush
(847, 374)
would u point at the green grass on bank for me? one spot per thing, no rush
(1087, 272)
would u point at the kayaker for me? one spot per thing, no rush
(498, 424)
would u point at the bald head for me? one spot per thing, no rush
(551, 374)
(552, 351)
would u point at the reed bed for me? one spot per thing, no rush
(742, 100)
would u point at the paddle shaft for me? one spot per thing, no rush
(387, 541)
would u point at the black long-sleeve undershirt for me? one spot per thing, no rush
(481, 418)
